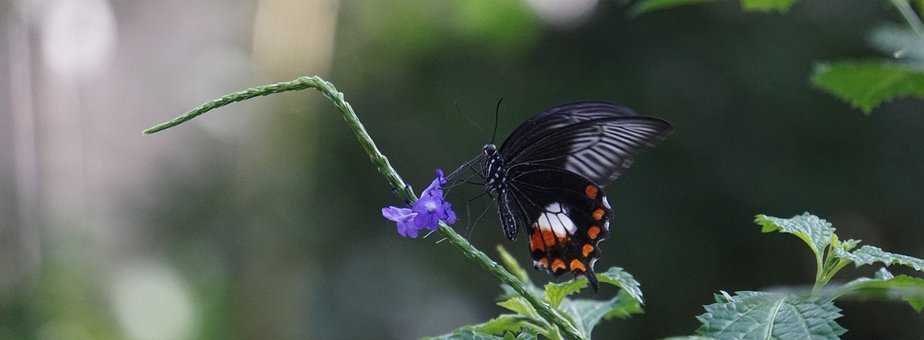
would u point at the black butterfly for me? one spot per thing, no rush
(548, 177)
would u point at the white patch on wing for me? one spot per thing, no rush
(606, 203)
(555, 218)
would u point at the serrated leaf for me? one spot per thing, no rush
(620, 278)
(586, 314)
(555, 292)
(760, 315)
(814, 231)
(886, 287)
(767, 5)
(871, 254)
(867, 84)
(645, 6)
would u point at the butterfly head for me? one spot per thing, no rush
(489, 149)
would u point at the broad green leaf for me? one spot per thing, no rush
(767, 5)
(870, 254)
(512, 265)
(645, 6)
(760, 315)
(814, 231)
(620, 278)
(555, 292)
(866, 84)
(886, 287)
(586, 314)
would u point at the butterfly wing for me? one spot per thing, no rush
(566, 216)
(593, 139)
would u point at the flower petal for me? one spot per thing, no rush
(397, 214)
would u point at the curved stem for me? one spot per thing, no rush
(391, 175)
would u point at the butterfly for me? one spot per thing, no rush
(548, 178)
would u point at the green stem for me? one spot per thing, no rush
(384, 167)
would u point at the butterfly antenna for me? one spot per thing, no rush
(496, 118)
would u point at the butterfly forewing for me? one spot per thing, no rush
(593, 139)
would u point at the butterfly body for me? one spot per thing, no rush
(548, 178)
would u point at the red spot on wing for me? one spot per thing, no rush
(593, 232)
(557, 264)
(549, 237)
(591, 191)
(598, 214)
(535, 242)
(578, 266)
(587, 249)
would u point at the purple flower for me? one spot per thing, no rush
(425, 213)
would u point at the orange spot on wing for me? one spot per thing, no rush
(587, 249)
(558, 264)
(591, 191)
(535, 242)
(598, 214)
(543, 263)
(577, 265)
(593, 232)
(549, 237)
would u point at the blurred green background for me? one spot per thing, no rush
(261, 220)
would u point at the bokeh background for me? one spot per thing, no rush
(261, 220)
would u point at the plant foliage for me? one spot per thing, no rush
(796, 314)
(526, 323)
(863, 84)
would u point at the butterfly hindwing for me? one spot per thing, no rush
(566, 215)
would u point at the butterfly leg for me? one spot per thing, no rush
(470, 225)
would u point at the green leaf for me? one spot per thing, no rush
(866, 84)
(767, 5)
(555, 292)
(886, 287)
(760, 315)
(645, 6)
(620, 278)
(520, 306)
(814, 231)
(870, 254)
(465, 334)
(502, 324)
(512, 265)
(689, 337)
(588, 313)
(625, 307)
